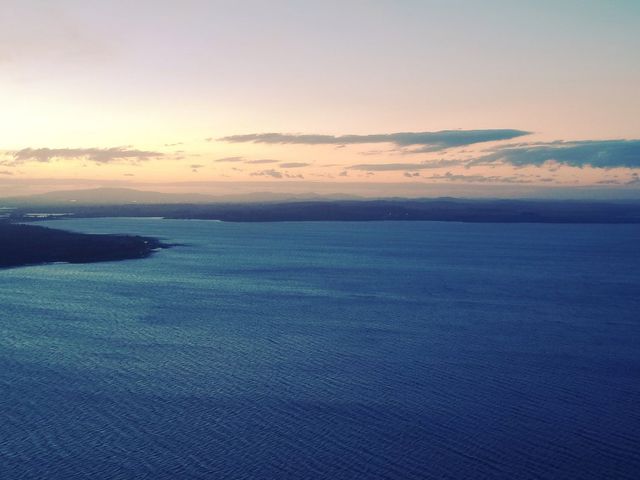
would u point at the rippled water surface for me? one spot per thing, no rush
(327, 350)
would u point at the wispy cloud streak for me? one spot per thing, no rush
(430, 141)
(390, 167)
(96, 155)
(294, 165)
(451, 177)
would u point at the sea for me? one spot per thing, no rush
(346, 350)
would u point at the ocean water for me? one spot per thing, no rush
(374, 350)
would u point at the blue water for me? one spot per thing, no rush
(327, 351)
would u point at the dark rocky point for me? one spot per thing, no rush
(31, 245)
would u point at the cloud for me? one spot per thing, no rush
(230, 159)
(411, 174)
(294, 165)
(594, 153)
(443, 163)
(97, 155)
(5, 172)
(375, 152)
(268, 173)
(276, 174)
(478, 178)
(429, 141)
(242, 159)
(262, 161)
(195, 167)
(389, 167)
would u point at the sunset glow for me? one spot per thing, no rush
(148, 94)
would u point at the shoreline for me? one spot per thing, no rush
(439, 210)
(30, 245)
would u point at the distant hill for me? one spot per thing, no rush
(459, 210)
(125, 196)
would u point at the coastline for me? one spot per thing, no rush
(29, 245)
(441, 210)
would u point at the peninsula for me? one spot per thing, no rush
(22, 245)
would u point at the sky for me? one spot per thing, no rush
(391, 97)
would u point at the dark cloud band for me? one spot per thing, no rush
(593, 153)
(430, 141)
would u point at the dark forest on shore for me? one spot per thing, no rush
(437, 209)
(31, 245)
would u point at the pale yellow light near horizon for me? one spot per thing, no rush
(165, 77)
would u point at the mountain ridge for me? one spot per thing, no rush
(124, 196)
